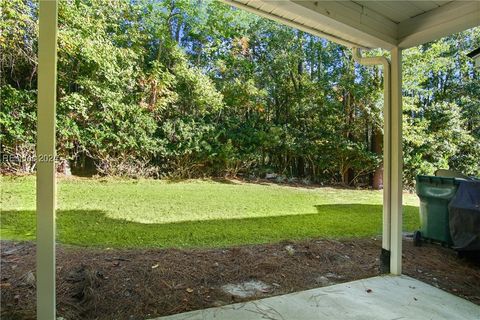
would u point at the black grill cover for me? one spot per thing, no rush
(464, 214)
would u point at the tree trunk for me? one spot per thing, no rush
(300, 167)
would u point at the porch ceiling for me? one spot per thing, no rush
(370, 24)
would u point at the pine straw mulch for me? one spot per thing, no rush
(142, 284)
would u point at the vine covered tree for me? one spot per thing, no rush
(181, 88)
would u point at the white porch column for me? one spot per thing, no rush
(396, 163)
(46, 184)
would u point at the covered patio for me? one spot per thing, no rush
(387, 297)
(360, 25)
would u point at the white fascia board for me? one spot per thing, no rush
(354, 21)
(450, 18)
(320, 19)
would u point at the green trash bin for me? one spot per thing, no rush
(435, 193)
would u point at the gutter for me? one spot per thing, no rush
(387, 105)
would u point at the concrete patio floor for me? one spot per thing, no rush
(378, 298)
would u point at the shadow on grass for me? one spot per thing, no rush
(95, 228)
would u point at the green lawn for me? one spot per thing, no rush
(152, 213)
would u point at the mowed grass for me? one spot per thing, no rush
(196, 213)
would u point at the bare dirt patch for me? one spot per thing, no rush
(142, 284)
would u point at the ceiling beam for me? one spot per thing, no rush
(353, 20)
(450, 18)
(287, 18)
(357, 24)
(345, 23)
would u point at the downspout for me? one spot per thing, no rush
(380, 60)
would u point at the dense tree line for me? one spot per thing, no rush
(193, 88)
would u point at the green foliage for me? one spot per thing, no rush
(441, 119)
(18, 128)
(195, 88)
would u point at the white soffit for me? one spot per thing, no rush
(370, 24)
